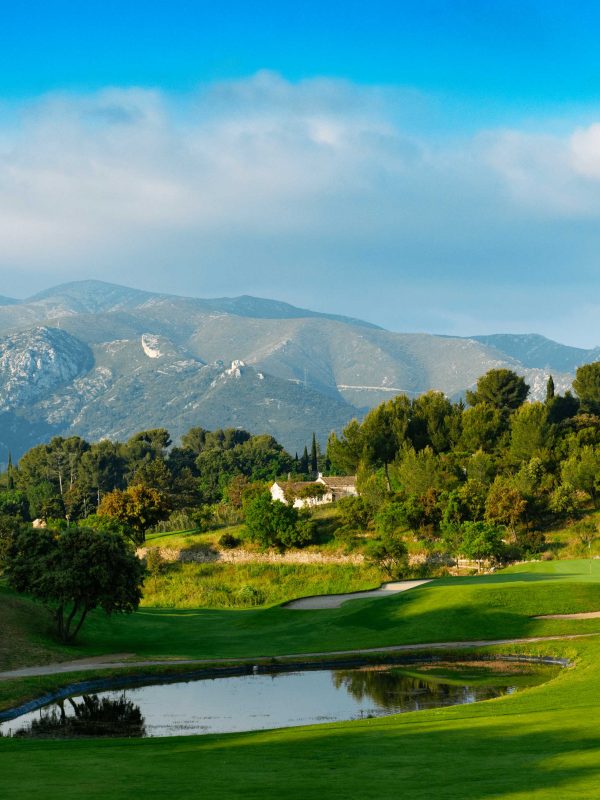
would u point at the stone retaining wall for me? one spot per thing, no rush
(240, 556)
(206, 555)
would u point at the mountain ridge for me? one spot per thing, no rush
(96, 359)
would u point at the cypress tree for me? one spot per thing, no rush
(304, 461)
(314, 460)
(10, 478)
(550, 389)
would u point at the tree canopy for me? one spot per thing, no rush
(74, 572)
(500, 388)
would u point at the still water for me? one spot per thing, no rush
(254, 702)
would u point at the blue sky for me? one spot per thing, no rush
(425, 165)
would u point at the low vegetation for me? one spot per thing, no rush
(246, 585)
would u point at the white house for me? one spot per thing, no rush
(307, 494)
(339, 485)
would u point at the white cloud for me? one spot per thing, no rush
(261, 185)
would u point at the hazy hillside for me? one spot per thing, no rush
(533, 350)
(102, 360)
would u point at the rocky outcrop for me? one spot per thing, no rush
(36, 362)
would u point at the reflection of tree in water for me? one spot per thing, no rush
(392, 689)
(91, 716)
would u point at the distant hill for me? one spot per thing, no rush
(536, 352)
(100, 360)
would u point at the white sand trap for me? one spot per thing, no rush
(582, 615)
(335, 600)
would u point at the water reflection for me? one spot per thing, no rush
(228, 704)
(91, 716)
(396, 692)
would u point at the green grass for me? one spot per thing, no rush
(541, 743)
(188, 540)
(247, 585)
(448, 609)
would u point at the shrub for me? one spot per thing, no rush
(274, 524)
(228, 541)
(250, 596)
(390, 555)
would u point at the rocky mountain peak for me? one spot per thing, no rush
(36, 362)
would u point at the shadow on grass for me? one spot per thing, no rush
(418, 757)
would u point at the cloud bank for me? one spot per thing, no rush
(322, 193)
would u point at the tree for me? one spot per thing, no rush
(345, 452)
(567, 501)
(419, 471)
(354, 513)
(138, 507)
(434, 422)
(13, 503)
(549, 389)
(314, 456)
(304, 462)
(390, 554)
(482, 427)
(505, 505)
(500, 388)
(587, 386)
(194, 440)
(481, 541)
(9, 527)
(74, 572)
(271, 523)
(390, 519)
(102, 469)
(582, 470)
(384, 431)
(562, 407)
(587, 532)
(145, 446)
(530, 433)
(473, 494)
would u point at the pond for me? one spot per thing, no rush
(271, 700)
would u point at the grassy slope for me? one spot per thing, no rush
(245, 585)
(543, 743)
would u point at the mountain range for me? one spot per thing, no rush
(100, 360)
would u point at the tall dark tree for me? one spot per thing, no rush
(314, 456)
(10, 478)
(549, 389)
(500, 388)
(102, 469)
(434, 422)
(304, 461)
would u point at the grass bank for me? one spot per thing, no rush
(247, 585)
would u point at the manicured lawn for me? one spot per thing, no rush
(541, 743)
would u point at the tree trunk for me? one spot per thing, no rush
(79, 624)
